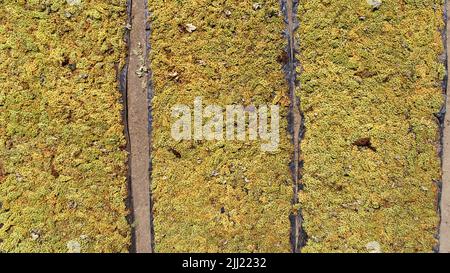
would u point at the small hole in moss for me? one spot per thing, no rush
(365, 74)
(2, 172)
(283, 58)
(175, 152)
(53, 170)
(365, 143)
(65, 61)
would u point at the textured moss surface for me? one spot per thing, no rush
(218, 196)
(62, 158)
(370, 88)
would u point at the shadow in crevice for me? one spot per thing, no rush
(296, 127)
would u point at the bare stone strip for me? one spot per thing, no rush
(137, 104)
(445, 202)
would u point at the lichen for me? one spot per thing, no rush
(214, 196)
(62, 157)
(370, 88)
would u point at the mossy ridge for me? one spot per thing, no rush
(370, 86)
(229, 196)
(61, 141)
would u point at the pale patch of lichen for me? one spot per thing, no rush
(228, 196)
(63, 166)
(370, 75)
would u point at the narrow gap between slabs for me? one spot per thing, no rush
(296, 121)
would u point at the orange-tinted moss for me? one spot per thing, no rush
(370, 86)
(218, 196)
(63, 166)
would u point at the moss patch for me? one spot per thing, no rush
(218, 196)
(371, 85)
(62, 158)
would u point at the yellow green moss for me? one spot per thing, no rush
(370, 86)
(210, 196)
(62, 158)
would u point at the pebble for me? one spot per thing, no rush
(190, 28)
(257, 6)
(173, 74)
(74, 2)
(375, 4)
(142, 71)
(34, 235)
(72, 204)
(73, 247)
(374, 247)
